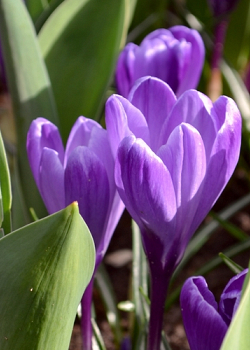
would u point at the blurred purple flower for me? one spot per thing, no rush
(222, 7)
(205, 323)
(83, 173)
(174, 157)
(175, 55)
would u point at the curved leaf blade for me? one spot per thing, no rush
(5, 189)
(28, 83)
(45, 268)
(80, 42)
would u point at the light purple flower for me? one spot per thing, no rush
(174, 157)
(205, 323)
(175, 55)
(84, 172)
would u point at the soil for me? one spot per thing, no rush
(118, 265)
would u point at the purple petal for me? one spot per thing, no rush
(154, 99)
(114, 216)
(123, 119)
(204, 326)
(156, 55)
(125, 69)
(86, 182)
(145, 187)
(185, 158)
(224, 155)
(230, 298)
(42, 133)
(193, 108)
(51, 180)
(80, 135)
(194, 67)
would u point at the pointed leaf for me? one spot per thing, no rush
(233, 266)
(5, 188)
(35, 8)
(28, 83)
(80, 42)
(45, 268)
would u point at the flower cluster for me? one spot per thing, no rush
(168, 151)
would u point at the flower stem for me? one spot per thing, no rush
(86, 326)
(159, 287)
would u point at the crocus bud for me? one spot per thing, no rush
(222, 7)
(83, 173)
(205, 323)
(175, 55)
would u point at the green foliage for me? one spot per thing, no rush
(45, 268)
(80, 42)
(28, 83)
(5, 189)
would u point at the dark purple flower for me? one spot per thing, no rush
(175, 55)
(205, 323)
(174, 157)
(83, 173)
(222, 7)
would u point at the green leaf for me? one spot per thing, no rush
(139, 289)
(99, 343)
(239, 92)
(237, 336)
(235, 231)
(35, 8)
(108, 296)
(28, 83)
(231, 264)
(5, 188)
(46, 13)
(45, 268)
(80, 42)
(237, 48)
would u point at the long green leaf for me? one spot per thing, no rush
(80, 43)
(108, 296)
(140, 283)
(35, 8)
(28, 83)
(45, 268)
(237, 336)
(237, 48)
(5, 188)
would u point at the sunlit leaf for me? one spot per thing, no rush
(28, 83)
(80, 42)
(45, 268)
(5, 189)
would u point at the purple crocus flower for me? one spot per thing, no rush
(175, 55)
(84, 172)
(174, 157)
(205, 322)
